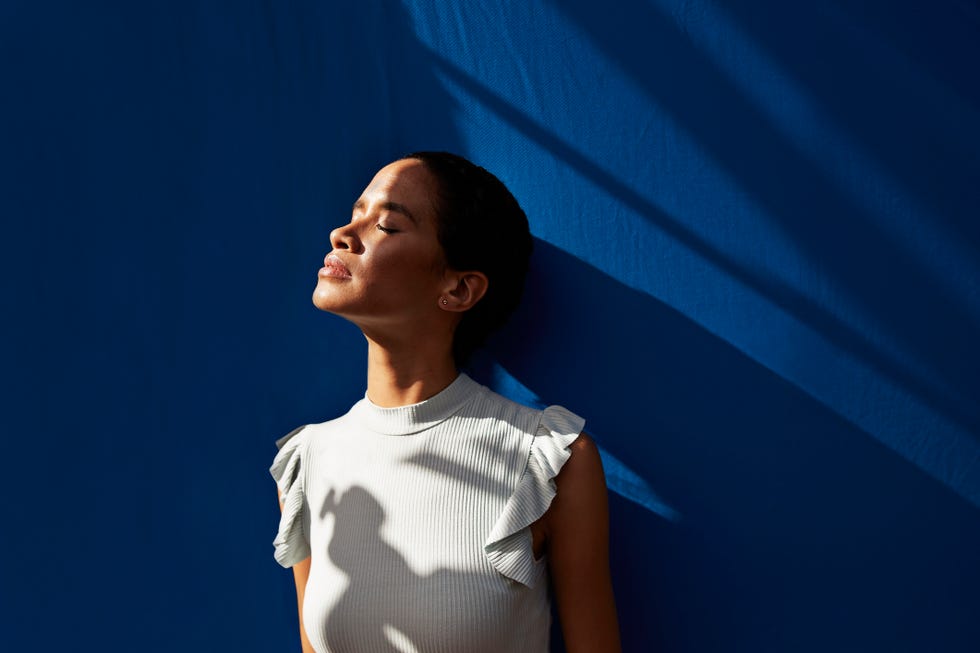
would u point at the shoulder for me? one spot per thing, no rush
(584, 451)
(293, 437)
(581, 500)
(299, 443)
(486, 404)
(314, 430)
(583, 469)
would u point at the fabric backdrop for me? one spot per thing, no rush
(756, 275)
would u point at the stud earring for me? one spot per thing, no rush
(445, 302)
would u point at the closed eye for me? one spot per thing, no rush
(387, 230)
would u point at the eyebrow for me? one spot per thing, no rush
(389, 206)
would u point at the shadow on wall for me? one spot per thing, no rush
(909, 73)
(950, 454)
(791, 517)
(833, 229)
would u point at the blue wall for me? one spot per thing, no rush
(756, 274)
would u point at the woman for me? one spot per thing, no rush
(432, 516)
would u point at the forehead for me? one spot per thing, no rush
(407, 182)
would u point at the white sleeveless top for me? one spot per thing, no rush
(417, 520)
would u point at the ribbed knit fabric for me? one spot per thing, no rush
(417, 520)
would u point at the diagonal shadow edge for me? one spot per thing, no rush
(789, 300)
(906, 429)
(751, 166)
(950, 109)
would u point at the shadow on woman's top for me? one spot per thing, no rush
(387, 607)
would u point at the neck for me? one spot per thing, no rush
(400, 374)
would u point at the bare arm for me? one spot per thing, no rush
(301, 573)
(577, 539)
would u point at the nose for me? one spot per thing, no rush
(345, 237)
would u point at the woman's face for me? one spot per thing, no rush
(386, 265)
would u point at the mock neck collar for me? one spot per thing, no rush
(405, 420)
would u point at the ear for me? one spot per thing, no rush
(462, 290)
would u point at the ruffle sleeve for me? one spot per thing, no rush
(509, 546)
(291, 542)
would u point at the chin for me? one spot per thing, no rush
(322, 299)
(326, 298)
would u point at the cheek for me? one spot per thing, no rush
(416, 278)
(419, 267)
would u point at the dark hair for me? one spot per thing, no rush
(481, 227)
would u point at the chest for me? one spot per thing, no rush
(397, 528)
(433, 498)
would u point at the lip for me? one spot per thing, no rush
(334, 267)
